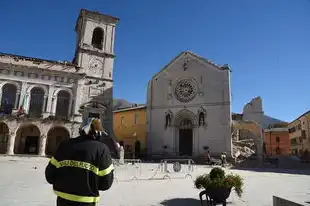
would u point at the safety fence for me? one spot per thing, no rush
(172, 167)
(134, 169)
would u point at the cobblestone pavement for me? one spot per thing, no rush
(22, 183)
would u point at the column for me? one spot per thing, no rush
(70, 108)
(44, 103)
(10, 145)
(54, 105)
(51, 90)
(0, 95)
(17, 100)
(79, 95)
(42, 145)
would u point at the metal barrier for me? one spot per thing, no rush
(177, 167)
(135, 162)
(132, 169)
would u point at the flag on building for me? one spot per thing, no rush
(21, 109)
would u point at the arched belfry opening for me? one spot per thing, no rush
(97, 39)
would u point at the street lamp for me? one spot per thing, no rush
(134, 144)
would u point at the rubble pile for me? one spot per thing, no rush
(243, 149)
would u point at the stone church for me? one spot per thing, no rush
(189, 108)
(44, 101)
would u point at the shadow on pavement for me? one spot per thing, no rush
(275, 170)
(181, 202)
(184, 202)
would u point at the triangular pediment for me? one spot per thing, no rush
(189, 54)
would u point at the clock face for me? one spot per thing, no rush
(95, 65)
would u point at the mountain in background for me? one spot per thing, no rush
(267, 120)
(122, 103)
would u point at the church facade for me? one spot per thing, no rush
(189, 108)
(44, 101)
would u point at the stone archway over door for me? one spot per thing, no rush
(4, 137)
(27, 139)
(54, 136)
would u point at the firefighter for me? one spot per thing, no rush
(81, 167)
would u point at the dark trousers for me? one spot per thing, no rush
(63, 202)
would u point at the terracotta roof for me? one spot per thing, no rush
(223, 67)
(15, 56)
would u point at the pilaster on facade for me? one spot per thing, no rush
(42, 145)
(10, 145)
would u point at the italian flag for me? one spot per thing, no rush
(21, 109)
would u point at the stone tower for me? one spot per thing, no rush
(253, 111)
(95, 55)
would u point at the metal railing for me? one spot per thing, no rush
(178, 166)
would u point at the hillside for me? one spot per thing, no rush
(267, 120)
(120, 103)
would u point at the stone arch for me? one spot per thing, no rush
(27, 139)
(17, 93)
(97, 38)
(4, 137)
(37, 102)
(55, 135)
(10, 82)
(62, 102)
(185, 114)
(9, 97)
(254, 129)
(36, 85)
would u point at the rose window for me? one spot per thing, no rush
(185, 90)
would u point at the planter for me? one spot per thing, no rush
(218, 195)
(215, 196)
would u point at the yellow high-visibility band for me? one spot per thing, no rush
(77, 198)
(82, 165)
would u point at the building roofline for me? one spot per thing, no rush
(300, 116)
(19, 57)
(129, 108)
(284, 129)
(221, 68)
(95, 14)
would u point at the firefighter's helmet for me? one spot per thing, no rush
(91, 126)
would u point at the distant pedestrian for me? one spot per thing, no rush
(223, 159)
(208, 157)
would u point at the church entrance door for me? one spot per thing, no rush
(186, 142)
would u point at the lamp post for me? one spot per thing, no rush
(134, 144)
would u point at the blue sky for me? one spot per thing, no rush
(266, 43)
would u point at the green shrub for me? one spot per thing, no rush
(217, 179)
(217, 172)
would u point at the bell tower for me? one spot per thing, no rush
(95, 55)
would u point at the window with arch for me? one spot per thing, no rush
(8, 98)
(97, 39)
(63, 102)
(36, 102)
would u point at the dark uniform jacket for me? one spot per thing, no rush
(80, 168)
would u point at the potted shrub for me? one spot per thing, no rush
(217, 185)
